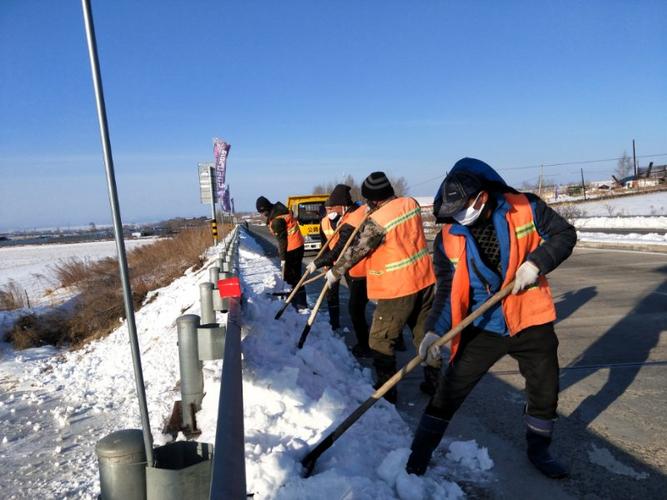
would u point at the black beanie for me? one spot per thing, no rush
(263, 205)
(339, 196)
(376, 187)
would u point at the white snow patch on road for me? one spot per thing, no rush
(468, 454)
(604, 458)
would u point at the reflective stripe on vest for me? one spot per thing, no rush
(354, 218)
(533, 306)
(401, 265)
(329, 231)
(294, 236)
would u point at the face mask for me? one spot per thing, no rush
(332, 215)
(469, 215)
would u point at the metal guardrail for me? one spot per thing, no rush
(228, 480)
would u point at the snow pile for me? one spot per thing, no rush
(293, 398)
(640, 204)
(469, 455)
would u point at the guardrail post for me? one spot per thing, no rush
(213, 275)
(206, 301)
(192, 378)
(122, 462)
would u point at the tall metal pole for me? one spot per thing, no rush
(117, 227)
(634, 157)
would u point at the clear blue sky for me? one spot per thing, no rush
(308, 91)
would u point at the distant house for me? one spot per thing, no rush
(425, 202)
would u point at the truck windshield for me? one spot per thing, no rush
(309, 213)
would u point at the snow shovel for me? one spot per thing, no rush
(309, 460)
(286, 293)
(325, 288)
(303, 278)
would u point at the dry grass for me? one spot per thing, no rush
(12, 296)
(99, 304)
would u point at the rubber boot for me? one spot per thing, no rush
(538, 439)
(430, 383)
(427, 438)
(385, 367)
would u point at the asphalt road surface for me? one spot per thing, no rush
(612, 426)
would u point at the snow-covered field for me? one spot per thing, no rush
(55, 405)
(31, 265)
(643, 204)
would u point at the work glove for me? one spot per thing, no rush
(331, 278)
(526, 275)
(428, 351)
(311, 267)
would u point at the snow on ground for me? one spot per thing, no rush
(659, 223)
(631, 238)
(641, 204)
(31, 265)
(55, 405)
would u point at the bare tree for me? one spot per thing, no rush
(624, 166)
(399, 183)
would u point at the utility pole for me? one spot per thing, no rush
(634, 157)
(583, 186)
(539, 186)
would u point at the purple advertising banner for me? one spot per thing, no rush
(220, 152)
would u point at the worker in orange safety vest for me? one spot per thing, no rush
(491, 235)
(399, 274)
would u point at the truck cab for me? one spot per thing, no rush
(308, 211)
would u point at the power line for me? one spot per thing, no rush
(560, 164)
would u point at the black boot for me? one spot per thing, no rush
(538, 439)
(427, 437)
(385, 367)
(430, 383)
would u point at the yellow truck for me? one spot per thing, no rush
(308, 210)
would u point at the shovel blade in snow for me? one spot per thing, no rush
(304, 335)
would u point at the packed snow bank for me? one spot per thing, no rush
(293, 398)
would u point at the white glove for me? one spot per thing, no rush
(429, 352)
(331, 278)
(311, 267)
(526, 275)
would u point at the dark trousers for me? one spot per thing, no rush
(392, 315)
(357, 309)
(293, 273)
(333, 304)
(535, 348)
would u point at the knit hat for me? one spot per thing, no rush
(339, 196)
(454, 192)
(376, 187)
(263, 205)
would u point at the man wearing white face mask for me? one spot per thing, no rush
(492, 234)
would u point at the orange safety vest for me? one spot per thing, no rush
(329, 231)
(401, 265)
(533, 306)
(294, 236)
(354, 218)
